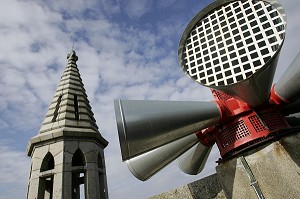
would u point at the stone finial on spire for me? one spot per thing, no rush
(72, 55)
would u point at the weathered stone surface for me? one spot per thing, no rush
(56, 148)
(181, 192)
(275, 167)
(206, 188)
(59, 183)
(32, 191)
(40, 152)
(36, 164)
(59, 158)
(91, 157)
(87, 146)
(72, 146)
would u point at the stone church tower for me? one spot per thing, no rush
(68, 151)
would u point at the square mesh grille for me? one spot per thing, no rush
(233, 133)
(233, 42)
(273, 120)
(256, 123)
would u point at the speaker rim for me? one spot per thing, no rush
(209, 8)
(121, 131)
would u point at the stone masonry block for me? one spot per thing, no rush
(71, 146)
(68, 157)
(88, 146)
(91, 157)
(35, 174)
(40, 152)
(59, 158)
(181, 192)
(36, 164)
(33, 188)
(58, 185)
(56, 147)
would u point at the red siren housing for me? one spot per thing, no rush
(241, 126)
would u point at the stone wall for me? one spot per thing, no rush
(206, 188)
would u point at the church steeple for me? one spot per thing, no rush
(70, 108)
(69, 149)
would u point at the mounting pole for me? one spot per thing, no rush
(253, 181)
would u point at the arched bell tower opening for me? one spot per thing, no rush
(46, 177)
(78, 175)
(68, 152)
(78, 159)
(48, 162)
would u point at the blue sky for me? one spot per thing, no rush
(126, 49)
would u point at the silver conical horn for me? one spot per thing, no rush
(146, 125)
(146, 165)
(192, 162)
(288, 86)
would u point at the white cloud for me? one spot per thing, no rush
(137, 8)
(14, 169)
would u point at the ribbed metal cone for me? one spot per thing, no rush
(146, 125)
(193, 161)
(146, 165)
(288, 86)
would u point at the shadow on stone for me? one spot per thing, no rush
(206, 188)
(226, 176)
(291, 145)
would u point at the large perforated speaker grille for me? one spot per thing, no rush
(232, 42)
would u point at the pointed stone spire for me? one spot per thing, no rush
(70, 107)
(70, 113)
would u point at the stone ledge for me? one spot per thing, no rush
(65, 133)
(205, 188)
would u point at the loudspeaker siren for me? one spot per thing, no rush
(121, 129)
(146, 165)
(218, 50)
(288, 86)
(193, 161)
(145, 125)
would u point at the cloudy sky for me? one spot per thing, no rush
(127, 49)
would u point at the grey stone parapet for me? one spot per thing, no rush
(205, 188)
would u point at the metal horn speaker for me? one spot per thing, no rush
(146, 165)
(233, 46)
(288, 86)
(146, 125)
(192, 162)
